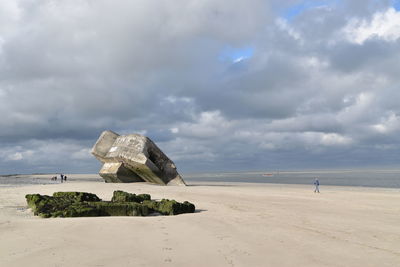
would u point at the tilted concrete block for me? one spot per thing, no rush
(116, 172)
(136, 154)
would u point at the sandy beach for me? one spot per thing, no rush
(236, 224)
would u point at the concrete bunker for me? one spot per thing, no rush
(134, 158)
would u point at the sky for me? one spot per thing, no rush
(224, 85)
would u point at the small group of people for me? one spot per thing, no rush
(62, 176)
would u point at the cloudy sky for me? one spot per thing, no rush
(218, 85)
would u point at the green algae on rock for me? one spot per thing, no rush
(82, 204)
(121, 196)
(170, 207)
(63, 204)
(77, 196)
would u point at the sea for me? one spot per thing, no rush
(385, 178)
(366, 178)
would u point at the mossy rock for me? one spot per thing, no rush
(187, 207)
(77, 196)
(121, 196)
(76, 210)
(121, 209)
(33, 199)
(82, 204)
(36, 200)
(151, 204)
(170, 207)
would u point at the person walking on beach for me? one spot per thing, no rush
(316, 183)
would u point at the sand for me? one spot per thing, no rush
(236, 224)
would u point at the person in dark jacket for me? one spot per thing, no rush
(316, 183)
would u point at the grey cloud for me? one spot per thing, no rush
(70, 69)
(368, 56)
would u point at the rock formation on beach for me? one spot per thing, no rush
(134, 158)
(82, 204)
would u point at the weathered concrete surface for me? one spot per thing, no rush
(115, 172)
(134, 158)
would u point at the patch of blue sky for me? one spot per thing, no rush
(235, 55)
(396, 4)
(295, 10)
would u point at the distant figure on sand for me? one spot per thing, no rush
(316, 183)
(65, 178)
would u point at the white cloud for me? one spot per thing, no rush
(10, 15)
(207, 125)
(331, 139)
(15, 156)
(283, 25)
(384, 25)
(177, 100)
(174, 130)
(388, 124)
(237, 60)
(8, 154)
(359, 110)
